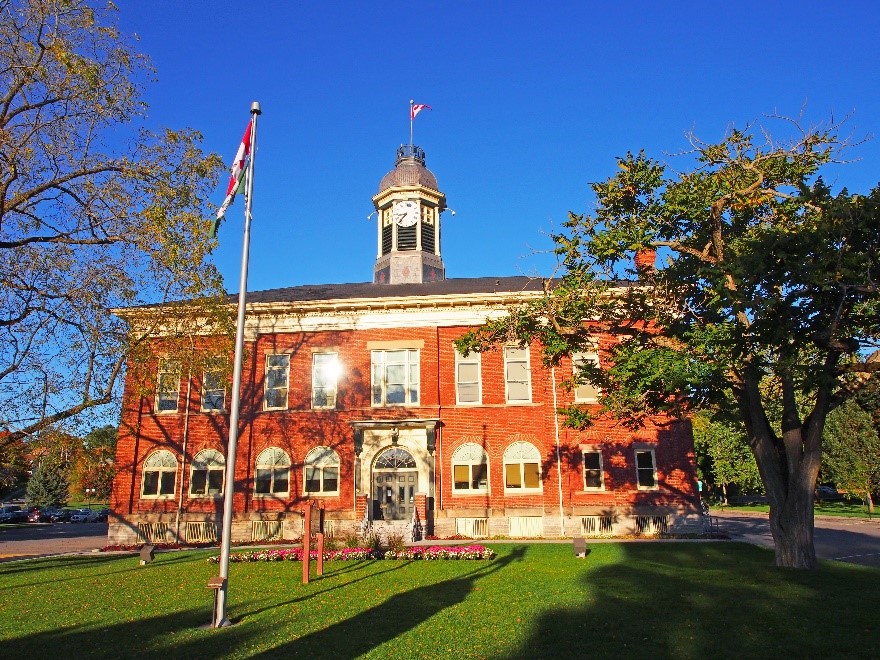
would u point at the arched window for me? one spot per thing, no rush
(395, 458)
(522, 467)
(321, 472)
(159, 474)
(470, 469)
(206, 477)
(272, 476)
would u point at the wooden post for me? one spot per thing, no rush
(320, 553)
(306, 542)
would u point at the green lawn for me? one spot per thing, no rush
(682, 600)
(842, 508)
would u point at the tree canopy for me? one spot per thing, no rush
(765, 293)
(96, 212)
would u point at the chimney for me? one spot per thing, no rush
(645, 261)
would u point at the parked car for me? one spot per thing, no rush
(102, 515)
(84, 515)
(12, 513)
(60, 515)
(38, 515)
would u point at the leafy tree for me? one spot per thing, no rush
(767, 281)
(13, 465)
(726, 446)
(48, 485)
(94, 468)
(95, 213)
(851, 454)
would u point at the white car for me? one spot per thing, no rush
(84, 515)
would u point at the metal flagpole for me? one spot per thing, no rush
(411, 101)
(220, 618)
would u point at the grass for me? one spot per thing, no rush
(840, 508)
(682, 600)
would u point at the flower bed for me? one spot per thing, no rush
(347, 554)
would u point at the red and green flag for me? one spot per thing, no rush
(237, 179)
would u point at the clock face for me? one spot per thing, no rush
(406, 213)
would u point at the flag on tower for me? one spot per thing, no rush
(416, 109)
(237, 179)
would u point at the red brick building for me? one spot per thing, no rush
(353, 395)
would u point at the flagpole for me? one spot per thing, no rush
(411, 101)
(220, 618)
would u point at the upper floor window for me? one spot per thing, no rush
(168, 386)
(584, 392)
(395, 377)
(322, 472)
(325, 372)
(206, 476)
(467, 378)
(159, 474)
(517, 375)
(470, 469)
(646, 469)
(522, 467)
(272, 474)
(277, 376)
(593, 477)
(214, 387)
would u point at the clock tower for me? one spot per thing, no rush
(408, 206)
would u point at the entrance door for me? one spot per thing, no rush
(395, 484)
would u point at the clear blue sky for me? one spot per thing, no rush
(531, 102)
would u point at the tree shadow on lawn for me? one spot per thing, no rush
(731, 602)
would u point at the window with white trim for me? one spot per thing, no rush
(168, 386)
(470, 469)
(584, 392)
(272, 473)
(467, 378)
(646, 469)
(159, 475)
(277, 378)
(517, 375)
(206, 474)
(321, 472)
(593, 476)
(522, 468)
(395, 377)
(325, 372)
(214, 386)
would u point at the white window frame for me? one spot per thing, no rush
(650, 451)
(470, 455)
(158, 462)
(597, 452)
(285, 369)
(580, 390)
(214, 371)
(472, 360)
(514, 355)
(522, 453)
(411, 364)
(325, 378)
(211, 461)
(274, 460)
(320, 458)
(169, 370)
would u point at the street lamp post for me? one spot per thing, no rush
(90, 493)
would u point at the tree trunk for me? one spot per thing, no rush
(870, 504)
(792, 528)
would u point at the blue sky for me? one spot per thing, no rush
(531, 102)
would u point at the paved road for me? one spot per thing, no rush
(37, 539)
(855, 540)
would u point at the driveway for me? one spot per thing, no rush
(855, 540)
(39, 539)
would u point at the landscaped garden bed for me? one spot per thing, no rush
(434, 552)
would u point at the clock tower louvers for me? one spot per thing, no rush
(408, 206)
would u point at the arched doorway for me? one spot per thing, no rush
(395, 484)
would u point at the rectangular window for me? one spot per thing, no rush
(585, 392)
(395, 377)
(522, 476)
(593, 479)
(322, 480)
(646, 469)
(206, 481)
(159, 483)
(517, 375)
(271, 480)
(325, 371)
(277, 373)
(473, 477)
(214, 387)
(168, 386)
(467, 378)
